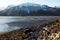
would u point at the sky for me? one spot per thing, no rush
(52, 3)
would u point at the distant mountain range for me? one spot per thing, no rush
(2, 8)
(30, 9)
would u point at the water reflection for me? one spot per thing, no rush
(13, 23)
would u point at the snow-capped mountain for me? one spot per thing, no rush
(27, 9)
(10, 6)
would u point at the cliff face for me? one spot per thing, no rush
(49, 31)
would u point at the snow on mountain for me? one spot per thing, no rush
(2, 8)
(29, 9)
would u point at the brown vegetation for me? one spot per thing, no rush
(50, 31)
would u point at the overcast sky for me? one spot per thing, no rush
(5, 3)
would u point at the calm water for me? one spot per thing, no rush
(13, 23)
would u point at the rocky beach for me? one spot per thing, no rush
(45, 31)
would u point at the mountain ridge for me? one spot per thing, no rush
(30, 9)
